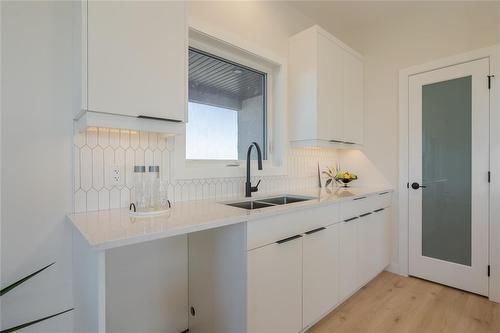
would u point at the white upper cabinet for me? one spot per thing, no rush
(325, 89)
(353, 98)
(135, 58)
(329, 90)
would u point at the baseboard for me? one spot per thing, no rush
(394, 268)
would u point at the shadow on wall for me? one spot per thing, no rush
(357, 162)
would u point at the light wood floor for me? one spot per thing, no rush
(395, 304)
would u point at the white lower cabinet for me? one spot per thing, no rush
(320, 272)
(373, 246)
(298, 266)
(348, 250)
(364, 243)
(275, 288)
(382, 230)
(366, 248)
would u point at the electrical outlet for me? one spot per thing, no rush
(116, 175)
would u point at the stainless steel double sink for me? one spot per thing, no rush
(268, 202)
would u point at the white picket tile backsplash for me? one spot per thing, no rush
(97, 150)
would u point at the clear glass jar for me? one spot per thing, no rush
(154, 186)
(139, 192)
(164, 202)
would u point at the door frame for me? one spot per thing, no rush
(402, 197)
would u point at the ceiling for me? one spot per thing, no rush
(342, 16)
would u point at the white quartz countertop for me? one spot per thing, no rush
(113, 228)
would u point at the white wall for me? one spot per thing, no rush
(36, 136)
(442, 30)
(267, 24)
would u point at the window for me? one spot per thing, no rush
(212, 133)
(226, 110)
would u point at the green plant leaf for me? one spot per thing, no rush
(328, 182)
(17, 328)
(5, 290)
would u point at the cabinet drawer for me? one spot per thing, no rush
(272, 229)
(355, 207)
(381, 200)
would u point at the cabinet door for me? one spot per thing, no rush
(330, 113)
(275, 288)
(136, 57)
(348, 250)
(382, 234)
(369, 247)
(320, 272)
(353, 82)
(366, 256)
(386, 238)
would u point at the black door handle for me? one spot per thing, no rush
(314, 230)
(416, 186)
(281, 241)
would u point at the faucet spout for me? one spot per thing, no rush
(248, 185)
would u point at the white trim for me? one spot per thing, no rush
(260, 59)
(83, 61)
(213, 45)
(402, 192)
(235, 41)
(493, 53)
(183, 169)
(495, 180)
(1, 182)
(324, 144)
(393, 268)
(101, 291)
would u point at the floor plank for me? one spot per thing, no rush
(395, 304)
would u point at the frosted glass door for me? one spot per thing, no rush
(448, 169)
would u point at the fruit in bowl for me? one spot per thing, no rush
(345, 177)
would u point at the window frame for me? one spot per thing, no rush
(248, 65)
(258, 59)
